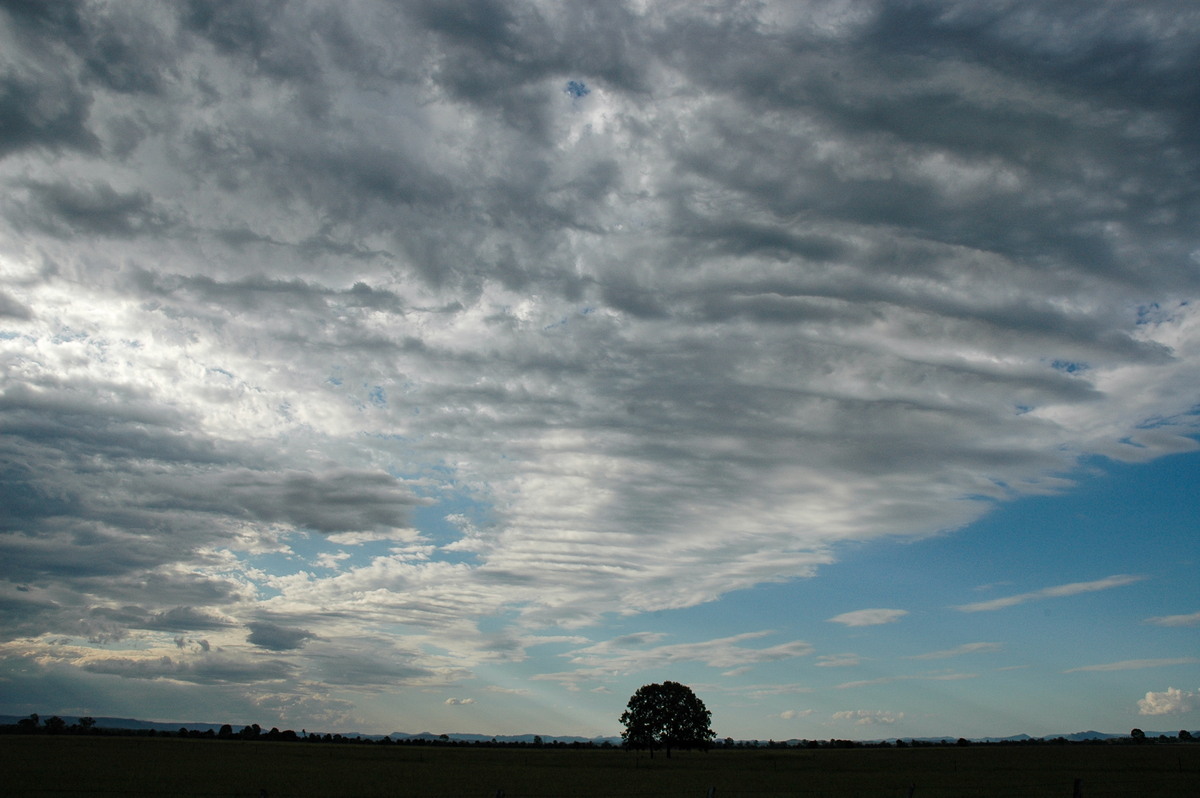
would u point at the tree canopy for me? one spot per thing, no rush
(667, 715)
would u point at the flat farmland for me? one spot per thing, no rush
(110, 766)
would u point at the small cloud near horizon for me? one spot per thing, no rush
(864, 717)
(1171, 702)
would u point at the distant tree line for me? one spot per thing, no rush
(34, 724)
(1136, 737)
(54, 725)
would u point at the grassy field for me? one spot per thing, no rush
(95, 766)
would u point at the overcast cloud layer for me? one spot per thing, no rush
(365, 346)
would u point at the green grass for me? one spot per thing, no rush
(104, 766)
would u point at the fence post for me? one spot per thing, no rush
(911, 789)
(1078, 791)
(712, 792)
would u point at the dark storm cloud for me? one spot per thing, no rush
(334, 501)
(1138, 55)
(265, 634)
(185, 619)
(12, 308)
(24, 613)
(86, 409)
(104, 624)
(890, 89)
(64, 549)
(233, 26)
(495, 54)
(63, 49)
(65, 448)
(65, 604)
(200, 669)
(60, 425)
(36, 113)
(119, 48)
(260, 293)
(68, 209)
(361, 665)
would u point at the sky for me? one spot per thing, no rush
(464, 366)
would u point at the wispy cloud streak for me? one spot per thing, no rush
(1135, 664)
(1059, 591)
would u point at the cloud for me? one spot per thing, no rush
(367, 665)
(1059, 591)
(12, 308)
(200, 664)
(67, 209)
(508, 690)
(869, 717)
(966, 648)
(459, 702)
(761, 691)
(869, 617)
(44, 111)
(336, 500)
(1135, 664)
(1171, 702)
(214, 669)
(1176, 620)
(283, 279)
(935, 677)
(726, 652)
(837, 660)
(184, 619)
(792, 714)
(277, 638)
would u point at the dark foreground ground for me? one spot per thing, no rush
(57, 767)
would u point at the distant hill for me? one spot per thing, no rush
(174, 726)
(125, 723)
(1075, 737)
(504, 738)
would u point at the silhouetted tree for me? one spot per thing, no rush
(667, 715)
(1138, 735)
(55, 724)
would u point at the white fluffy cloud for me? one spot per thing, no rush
(1170, 702)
